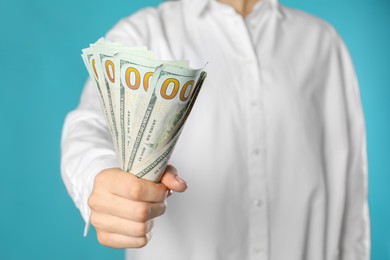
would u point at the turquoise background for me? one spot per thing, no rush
(41, 77)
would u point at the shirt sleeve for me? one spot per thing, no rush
(87, 149)
(355, 242)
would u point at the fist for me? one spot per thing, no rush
(123, 206)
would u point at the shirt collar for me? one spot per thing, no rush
(198, 6)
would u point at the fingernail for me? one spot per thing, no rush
(170, 192)
(180, 180)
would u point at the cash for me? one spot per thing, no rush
(145, 102)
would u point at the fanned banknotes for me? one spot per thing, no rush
(145, 101)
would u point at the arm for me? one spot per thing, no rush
(355, 242)
(118, 204)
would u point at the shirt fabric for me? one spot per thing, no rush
(274, 151)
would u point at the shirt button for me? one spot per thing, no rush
(257, 202)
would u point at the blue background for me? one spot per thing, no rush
(41, 77)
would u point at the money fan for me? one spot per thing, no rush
(145, 101)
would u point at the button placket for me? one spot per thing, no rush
(250, 79)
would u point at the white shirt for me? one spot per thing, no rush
(274, 151)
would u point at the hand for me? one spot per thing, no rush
(123, 206)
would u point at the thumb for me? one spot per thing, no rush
(172, 181)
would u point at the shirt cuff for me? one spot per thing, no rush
(86, 227)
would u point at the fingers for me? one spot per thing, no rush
(127, 209)
(127, 185)
(123, 205)
(115, 240)
(112, 224)
(172, 181)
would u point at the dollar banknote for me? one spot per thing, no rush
(100, 62)
(145, 101)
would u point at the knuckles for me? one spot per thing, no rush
(95, 220)
(136, 191)
(163, 207)
(101, 177)
(142, 242)
(106, 176)
(141, 230)
(142, 213)
(104, 239)
(95, 203)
